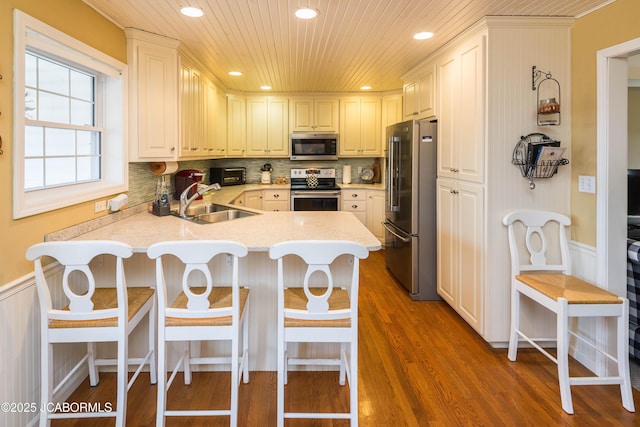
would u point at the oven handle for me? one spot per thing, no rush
(314, 193)
(386, 225)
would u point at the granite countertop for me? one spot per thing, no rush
(139, 228)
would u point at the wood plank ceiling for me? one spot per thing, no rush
(349, 44)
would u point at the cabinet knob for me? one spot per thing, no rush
(275, 196)
(354, 206)
(454, 191)
(354, 196)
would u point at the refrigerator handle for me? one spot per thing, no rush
(405, 239)
(393, 174)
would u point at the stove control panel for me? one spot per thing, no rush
(319, 172)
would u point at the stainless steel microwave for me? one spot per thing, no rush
(314, 146)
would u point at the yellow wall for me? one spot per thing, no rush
(608, 26)
(75, 18)
(634, 128)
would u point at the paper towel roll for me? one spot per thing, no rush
(163, 168)
(346, 174)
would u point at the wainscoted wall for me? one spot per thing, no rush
(142, 183)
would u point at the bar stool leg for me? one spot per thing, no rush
(121, 408)
(623, 358)
(515, 324)
(563, 355)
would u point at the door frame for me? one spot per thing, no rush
(612, 135)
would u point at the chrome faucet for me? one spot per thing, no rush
(200, 190)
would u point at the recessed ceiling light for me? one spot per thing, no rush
(423, 35)
(191, 11)
(235, 73)
(365, 88)
(306, 13)
(265, 87)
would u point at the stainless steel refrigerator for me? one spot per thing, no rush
(410, 217)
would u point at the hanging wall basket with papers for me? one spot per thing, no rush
(538, 156)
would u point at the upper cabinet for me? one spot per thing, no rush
(420, 94)
(215, 129)
(313, 114)
(153, 96)
(461, 112)
(236, 126)
(267, 127)
(191, 110)
(391, 114)
(360, 127)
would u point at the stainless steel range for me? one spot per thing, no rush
(314, 189)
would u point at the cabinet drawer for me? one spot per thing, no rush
(275, 195)
(350, 194)
(354, 205)
(275, 205)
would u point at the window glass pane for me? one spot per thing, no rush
(81, 113)
(33, 173)
(81, 86)
(33, 141)
(30, 104)
(53, 108)
(88, 168)
(31, 71)
(53, 77)
(88, 143)
(59, 142)
(60, 170)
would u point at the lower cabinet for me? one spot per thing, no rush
(275, 200)
(367, 206)
(460, 219)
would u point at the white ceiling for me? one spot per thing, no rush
(350, 44)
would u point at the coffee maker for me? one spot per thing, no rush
(184, 179)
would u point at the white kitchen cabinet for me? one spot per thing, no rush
(360, 127)
(355, 201)
(153, 96)
(236, 126)
(250, 199)
(267, 127)
(461, 122)
(460, 218)
(391, 114)
(420, 94)
(215, 140)
(313, 114)
(275, 200)
(191, 110)
(375, 213)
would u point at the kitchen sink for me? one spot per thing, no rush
(212, 213)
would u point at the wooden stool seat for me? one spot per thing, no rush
(295, 299)
(571, 288)
(218, 298)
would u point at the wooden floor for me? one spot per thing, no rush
(420, 365)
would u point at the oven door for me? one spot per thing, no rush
(315, 200)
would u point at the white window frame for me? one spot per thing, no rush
(32, 33)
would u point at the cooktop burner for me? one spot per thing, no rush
(313, 179)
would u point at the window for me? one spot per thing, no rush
(69, 120)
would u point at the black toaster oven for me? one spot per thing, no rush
(228, 176)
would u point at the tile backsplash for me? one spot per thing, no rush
(142, 183)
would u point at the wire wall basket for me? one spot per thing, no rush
(538, 156)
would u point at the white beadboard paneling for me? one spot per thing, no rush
(349, 44)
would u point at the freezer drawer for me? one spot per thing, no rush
(399, 256)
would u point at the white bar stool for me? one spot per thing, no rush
(92, 315)
(203, 311)
(552, 286)
(320, 312)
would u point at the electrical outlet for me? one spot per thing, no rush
(100, 206)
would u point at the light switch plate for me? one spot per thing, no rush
(587, 184)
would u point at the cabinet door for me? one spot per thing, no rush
(370, 115)
(470, 221)
(212, 146)
(325, 114)
(469, 119)
(257, 125)
(253, 199)
(446, 238)
(154, 102)
(375, 213)
(410, 96)
(278, 127)
(191, 111)
(236, 126)
(427, 94)
(302, 115)
(447, 151)
(350, 129)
